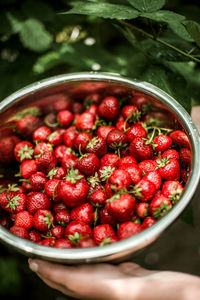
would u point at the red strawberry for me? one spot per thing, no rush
(75, 231)
(173, 190)
(119, 179)
(61, 102)
(110, 159)
(55, 138)
(38, 181)
(109, 108)
(81, 141)
(73, 190)
(180, 138)
(121, 207)
(140, 149)
(56, 173)
(83, 213)
(48, 242)
(36, 201)
(185, 157)
(169, 169)
(41, 133)
(23, 150)
(131, 113)
(184, 175)
(28, 167)
(136, 130)
(148, 222)
(103, 234)
(97, 146)
(142, 209)
(92, 99)
(159, 206)
(51, 189)
(24, 219)
(60, 151)
(7, 148)
(85, 121)
(106, 218)
(46, 161)
(62, 216)
(162, 142)
(103, 131)
(13, 201)
(93, 109)
(88, 164)
(41, 148)
(128, 229)
(154, 177)
(27, 125)
(98, 198)
(43, 220)
(127, 160)
(121, 125)
(147, 166)
(58, 206)
(86, 243)
(65, 117)
(57, 231)
(144, 190)
(63, 243)
(34, 236)
(134, 172)
(19, 231)
(77, 107)
(170, 153)
(116, 139)
(69, 136)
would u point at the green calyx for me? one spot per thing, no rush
(111, 199)
(48, 220)
(162, 210)
(132, 118)
(73, 176)
(92, 143)
(175, 196)
(106, 241)
(52, 136)
(75, 238)
(162, 162)
(25, 153)
(94, 180)
(12, 203)
(106, 172)
(52, 173)
(117, 146)
(136, 191)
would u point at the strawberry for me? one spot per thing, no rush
(128, 229)
(83, 213)
(65, 118)
(170, 153)
(13, 201)
(85, 121)
(36, 201)
(43, 220)
(69, 136)
(19, 231)
(46, 161)
(56, 173)
(94, 98)
(106, 218)
(160, 206)
(103, 234)
(86, 243)
(98, 198)
(140, 149)
(180, 138)
(24, 219)
(51, 189)
(169, 169)
(110, 159)
(173, 190)
(122, 125)
(121, 207)
(61, 102)
(82, 140)
(147, 166)
(60, 151)
(34, 236)
(116, 140)
(40, 148)
(93, 109)
(134, 172)
(41, 133)
(184, 174)
(58, 206)
(6, 222)
(97, 146)
(63, 243)
(27, 125)
(109, 108)
(162, 142)
(55, 138)
(144, 190)
(77, 108)
(185, 157)
(75, 231)
(38, 180)
(103, 131)
(119, 179)
(23, 150)
(142, 209)
(154, 177)
(136, 130)
(73, 190)
(7, 147)
(148, 222)
(28, 167)
(131, 113)
(57, 231)
(88, 164)
(62, 217)
(48, 242)
(127, 160)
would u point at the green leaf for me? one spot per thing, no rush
(34, 36)
(147, 5)
(180, 30)
(164, 16)
(193, 28)
(15, 24)
(104, 10)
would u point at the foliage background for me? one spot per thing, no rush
(153, 40)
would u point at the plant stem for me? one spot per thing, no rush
(143, 32)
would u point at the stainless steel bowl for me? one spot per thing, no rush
(79, 85)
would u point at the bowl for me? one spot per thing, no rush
(38, 98)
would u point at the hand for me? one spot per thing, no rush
(126, 281)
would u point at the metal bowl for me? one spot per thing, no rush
(78, 85)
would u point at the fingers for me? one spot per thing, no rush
(195, 114)
(133, 269)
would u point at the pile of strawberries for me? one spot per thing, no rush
(91, 173)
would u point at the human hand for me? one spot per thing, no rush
(126, 281)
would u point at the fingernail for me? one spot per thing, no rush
(33, 265)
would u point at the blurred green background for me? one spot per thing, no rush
(153, 40)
